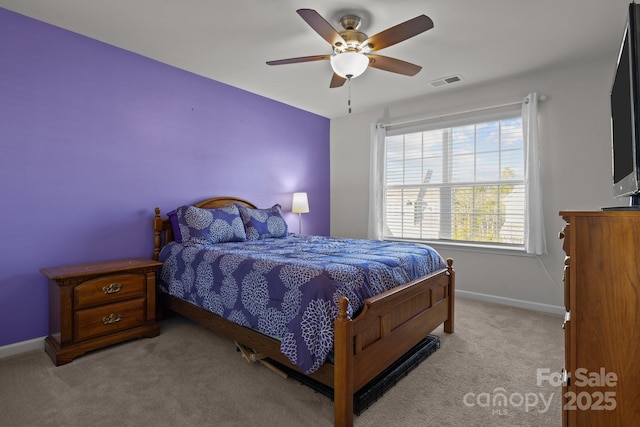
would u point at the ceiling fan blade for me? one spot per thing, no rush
(337, 81)
(322, 27)
(399, 33)
(394, 65)
(299, 59)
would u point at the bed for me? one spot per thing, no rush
(367, 336)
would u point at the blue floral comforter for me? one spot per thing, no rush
(289, 288)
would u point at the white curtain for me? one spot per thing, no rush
(376, 182)
(535, 242)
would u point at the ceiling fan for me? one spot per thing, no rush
(352, 48)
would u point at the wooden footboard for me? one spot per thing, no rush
(390, 324)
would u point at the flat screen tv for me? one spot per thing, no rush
(625, 114)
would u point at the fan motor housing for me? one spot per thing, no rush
(353, 38)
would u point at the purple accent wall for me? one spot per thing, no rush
(93, 137)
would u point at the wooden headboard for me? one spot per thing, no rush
(163, 233)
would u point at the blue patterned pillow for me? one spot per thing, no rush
(206, 226)
(263, 223)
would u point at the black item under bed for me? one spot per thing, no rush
(373, 390)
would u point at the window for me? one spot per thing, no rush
(461, 181)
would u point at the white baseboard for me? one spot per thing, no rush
(536, 306)
(22, 347)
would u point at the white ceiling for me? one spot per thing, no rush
(230, 41)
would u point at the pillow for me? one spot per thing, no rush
(173, 218)
(263, 223)
(206, 226)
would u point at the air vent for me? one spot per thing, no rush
(446, 80)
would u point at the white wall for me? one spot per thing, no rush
(576, 169)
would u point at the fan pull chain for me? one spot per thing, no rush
(349, 101)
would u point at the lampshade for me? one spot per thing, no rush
(349, 64)
(300, 203)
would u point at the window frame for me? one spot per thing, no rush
(447, 124)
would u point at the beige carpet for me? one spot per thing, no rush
(189, 376)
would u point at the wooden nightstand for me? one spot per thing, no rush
(99, 304)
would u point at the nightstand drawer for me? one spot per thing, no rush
(109, 289)
(93, 322)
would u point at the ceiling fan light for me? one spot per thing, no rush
(349, 64)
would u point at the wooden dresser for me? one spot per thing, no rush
(602, 321)
(99, 304)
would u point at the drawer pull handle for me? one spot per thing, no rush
(113, 318)
(113, 288)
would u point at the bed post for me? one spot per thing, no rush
(343, 367)
(157, 229)
(448, 324)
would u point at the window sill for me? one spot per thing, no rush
(470, 247)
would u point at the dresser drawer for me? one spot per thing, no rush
(93, 322)
(109, 289)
